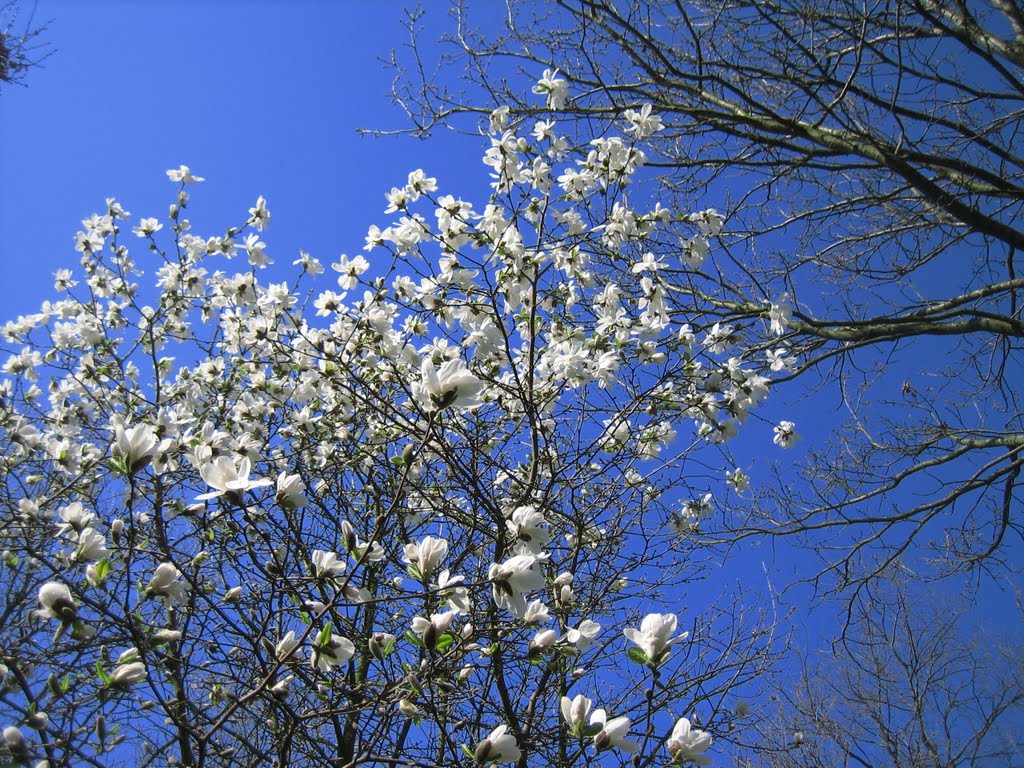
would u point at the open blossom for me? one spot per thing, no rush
(513, 579)
(613, 732)
(76, 519)
(424, 555)
(785, 434)
(326, 565)
(166, 583)
(226, 477)
(654, 637)
(643, 123)
(291, 491)
(451, 386)
(330, 650)
(687, 745)
(431, 629)
(554, 87)
(184, 175)
(451, 588)
(147, 227)
(134, 445)
(583, 636)
(56, 602)
(499, 747)
(780, 359)
(91, 547)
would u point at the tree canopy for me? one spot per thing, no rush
(867, 161)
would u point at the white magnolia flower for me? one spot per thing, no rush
(226, 477)
(584, 635)
(451, 386)
(286, 646)
(166, 583)
(687, 744)
(134, 445)
(291, 491)
(738, 480)
(543, 640)
(57, 603)
(184, 175)
(643, 123)
(575, 712)
(613, 732)
(92, 546)
(127, 674)
(780, 359)
(513, 579)
(536, 613)
(431, 629)
(424, 555)
(785, 434)
(76, 519)
(330, 651)
(554, 87)
(499, 747)
(654, 637)
(451, 588)
(326, 565)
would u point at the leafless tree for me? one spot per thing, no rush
(869, 158)
(913, 685)
(20, 47)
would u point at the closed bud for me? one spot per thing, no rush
(38, 721)
(101, 729)
(349, 535)
(483, 751)
(15, 742)
(430, 636)
(407, 708)
(379, 643)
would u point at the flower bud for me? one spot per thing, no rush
(407, 708)
(483, 750)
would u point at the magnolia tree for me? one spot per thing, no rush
(433, 511)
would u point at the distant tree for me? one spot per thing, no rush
(20, 47)
(914, 685)
(869, 160)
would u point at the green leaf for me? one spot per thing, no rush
(413, 638)
(639, 656)
(443, 642)
(325, 635)
(102, 674)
